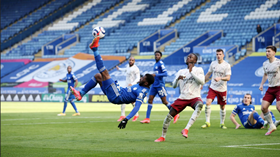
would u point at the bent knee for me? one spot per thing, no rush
(264, 110)
(98, 77)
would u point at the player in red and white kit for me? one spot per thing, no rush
(271, 69)
(221, 72)
(132, 78)
(190, 81)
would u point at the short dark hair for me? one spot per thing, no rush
(219, 50)
(273, 48)
(194, 55)
(250, 96)
(150, 79)
(159, 53)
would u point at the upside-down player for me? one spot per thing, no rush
(132, 78)
(218, 88)
(190, 81)
(158, 87)
(115, 93)
(271, 69)
(249, 118)
(71, 81)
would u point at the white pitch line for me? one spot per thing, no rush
(53, 123)
(259, 148)
(62, 117)
(251, 146)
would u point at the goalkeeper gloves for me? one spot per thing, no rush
(123, 123)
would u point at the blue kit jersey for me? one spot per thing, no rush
(159, 70)
(133, 93)
(71, 78)
(119, 95)
(243, 111)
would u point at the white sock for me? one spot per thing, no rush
(207, 113)
(123, 110)
(223, 115)
(133, 104)
(194, 116)
(166, 123)
(268, 117)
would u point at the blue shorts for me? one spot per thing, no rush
(161, 91)
(69, 96)
(112, 89)
(247, 125)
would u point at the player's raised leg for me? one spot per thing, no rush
(195, 115)
(98, 78)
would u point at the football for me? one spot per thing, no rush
(98, 31)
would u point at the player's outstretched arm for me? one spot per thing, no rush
(234, 121)
(123, 123)
(121, 69)
(62, 80)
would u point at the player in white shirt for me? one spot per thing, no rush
(132, 77)
(271, 69)
(221, 72)
(190, 81)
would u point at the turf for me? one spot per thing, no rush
(33, 129)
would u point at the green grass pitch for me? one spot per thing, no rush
(34, 129)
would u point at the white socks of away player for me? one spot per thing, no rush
(207, 113)
(123, 109)
(223, 115)
(268, 117)
(194, 116)
(166, 123)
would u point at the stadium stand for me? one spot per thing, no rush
(212, 16)
(34, 45)
(12, 11)
(124, 24)
(30, 19)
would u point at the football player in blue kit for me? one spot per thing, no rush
(72, 81)
(158, 88)
(115, 93)
(249, 118)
